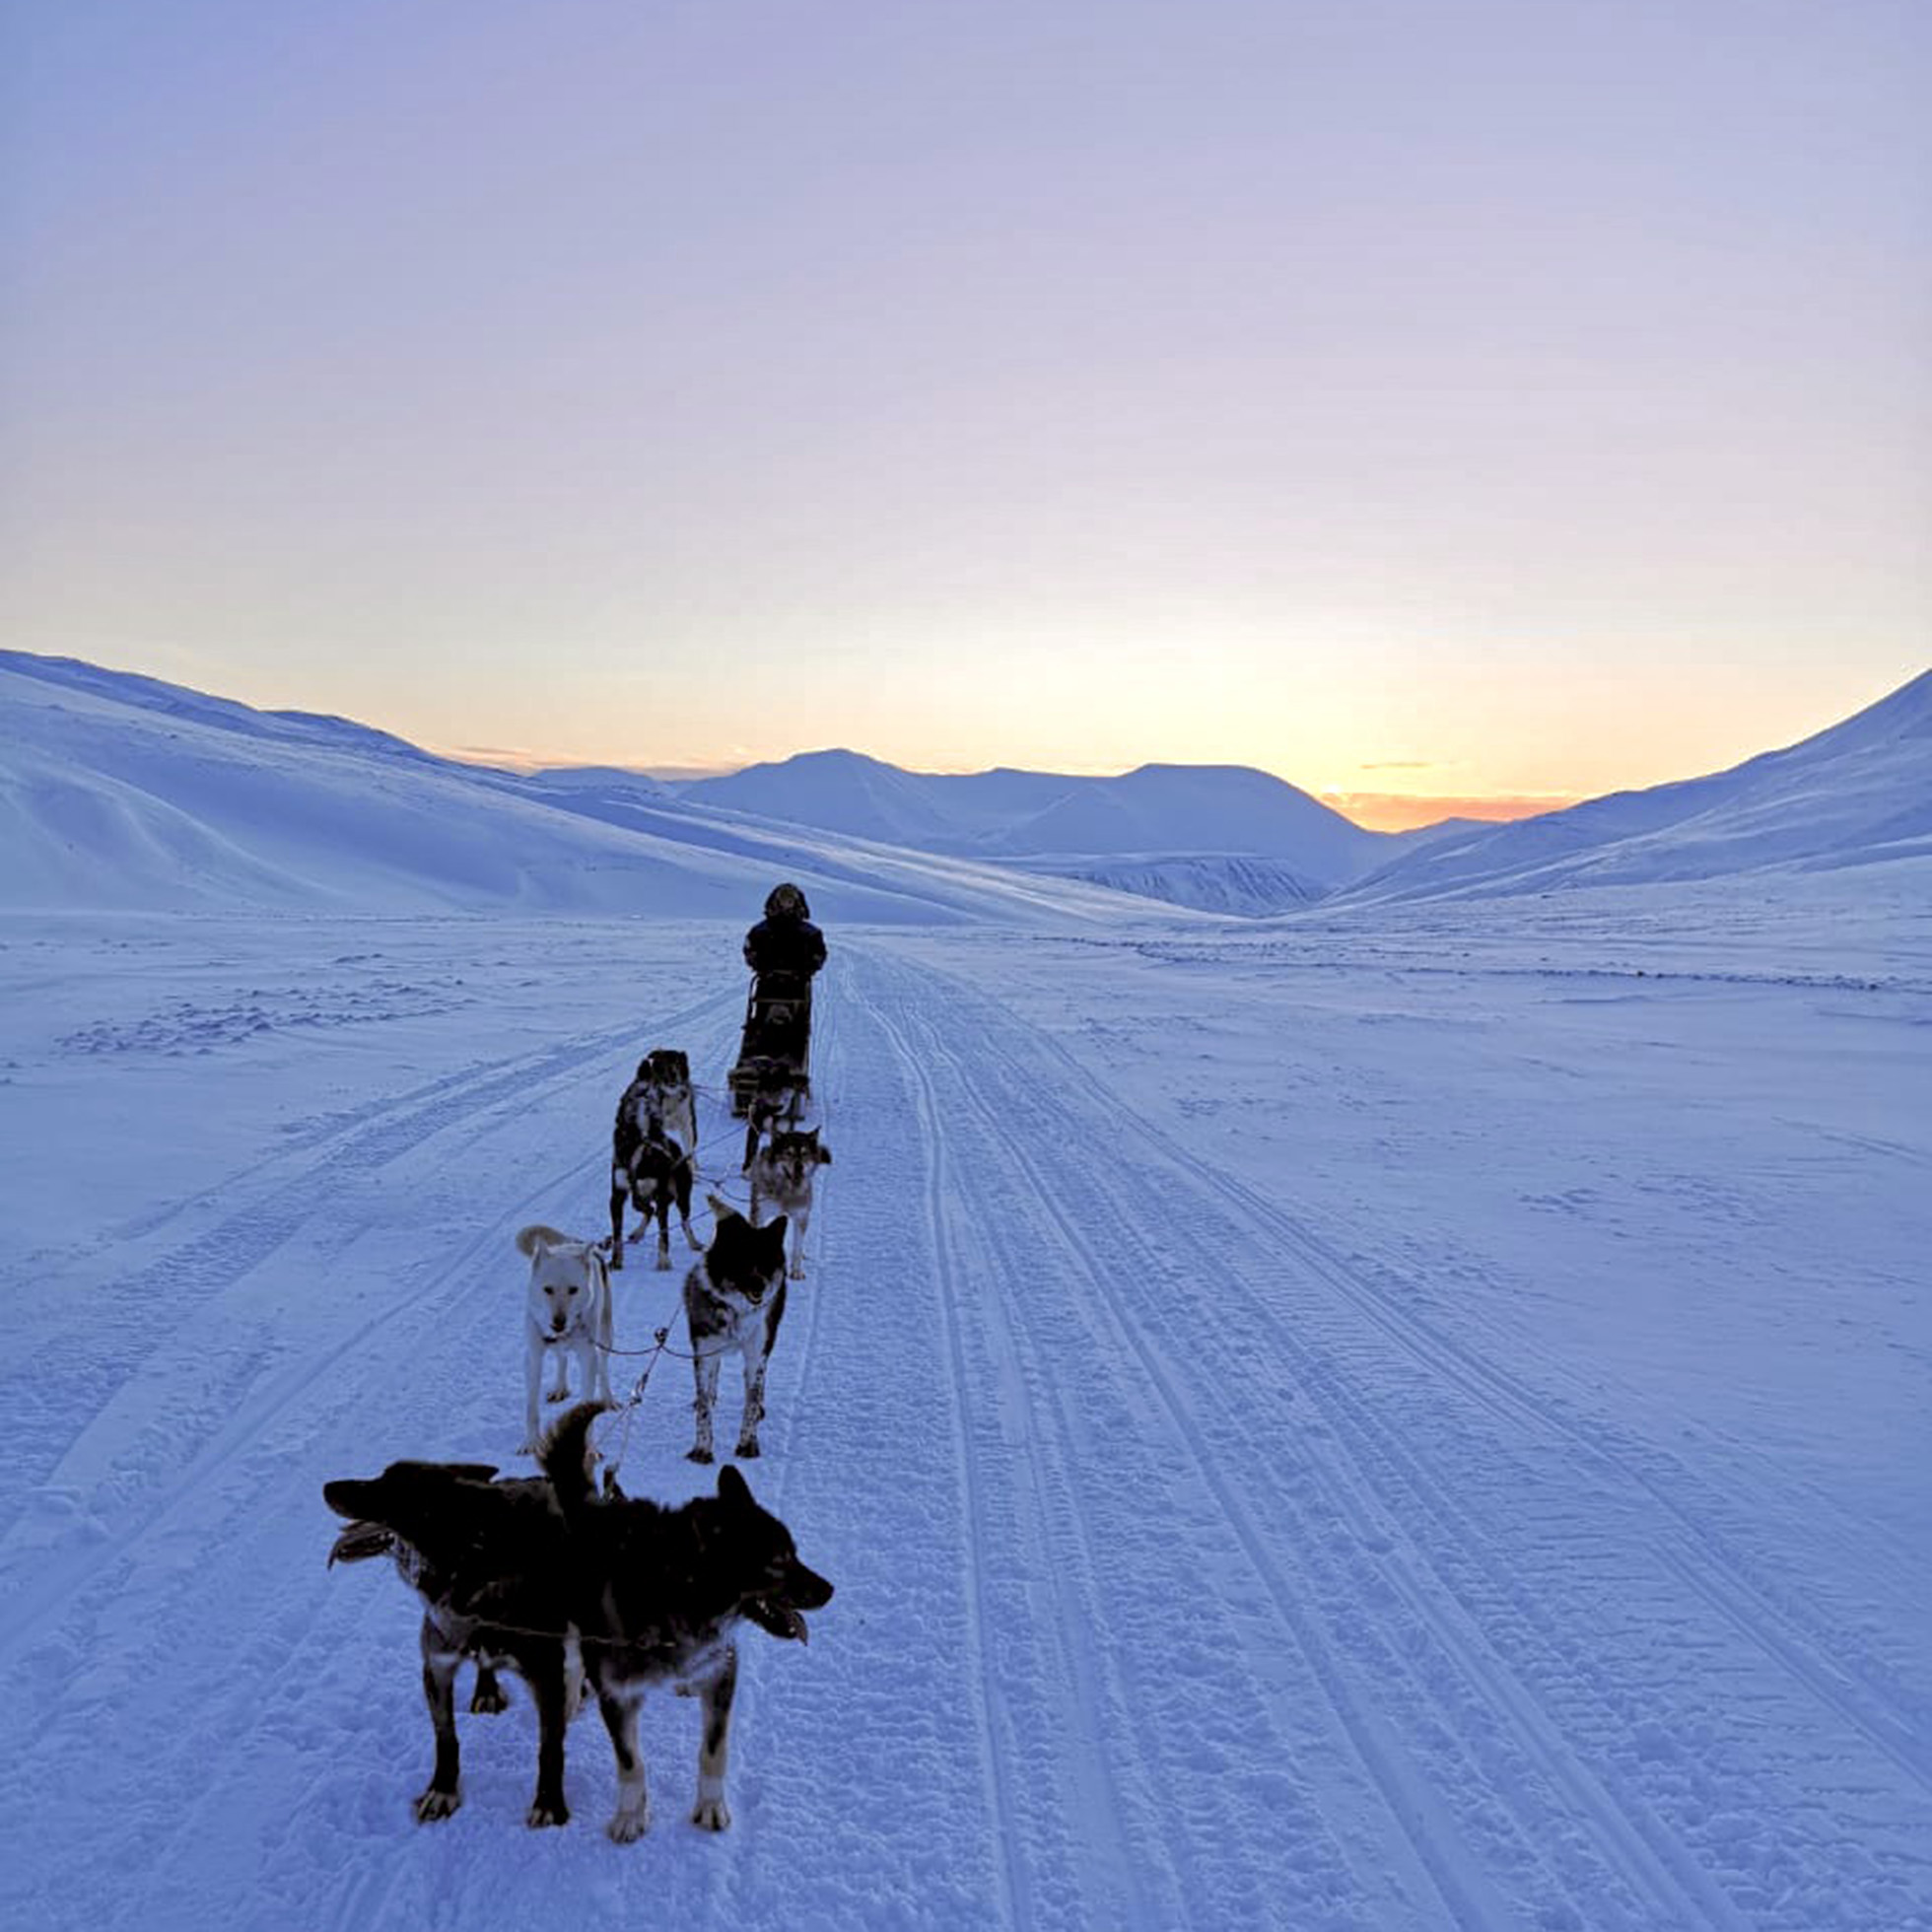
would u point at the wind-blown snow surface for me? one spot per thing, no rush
(1395, 1426)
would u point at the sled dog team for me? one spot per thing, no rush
(577, 1591)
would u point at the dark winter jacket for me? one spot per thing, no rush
(785, 945)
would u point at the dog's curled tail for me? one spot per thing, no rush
(565, 1456)
(537, 1235)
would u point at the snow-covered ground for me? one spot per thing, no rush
(1401, 1421)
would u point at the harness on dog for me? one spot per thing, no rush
(661, 1345)
(659, 1348)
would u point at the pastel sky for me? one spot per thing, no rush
(1478, 400)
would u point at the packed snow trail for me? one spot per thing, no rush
(1185, 1577)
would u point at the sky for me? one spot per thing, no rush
(1492, 404)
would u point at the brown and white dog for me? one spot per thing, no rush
(781, 1172)
(661, 1086)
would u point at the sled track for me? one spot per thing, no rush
(997, 1731)
(1005, 1738)
(1458, 1588)
(1411, 1802)
(1778, 1627)
(185, 1281)
(297, 1652)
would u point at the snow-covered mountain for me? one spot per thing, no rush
(1211, 882)
(1857, 793)
(840, 791)
(124, 792)
(1085, 827)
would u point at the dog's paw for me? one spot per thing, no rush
(748, 1448)
(546, 1811)
(797, 1272)
(712, 1815)
(435, 1804)
(557, 1395)
(626, 1827)
(617, 1260)
(663, 1263)
(488, 1700)
(697, 1453)
(696, 1240)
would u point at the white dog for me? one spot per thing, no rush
(568, 1311)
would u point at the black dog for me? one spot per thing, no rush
(776, 1100)
(654, 1176)
(488, 1560)
(656, 1597)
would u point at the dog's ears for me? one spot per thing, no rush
(824, 1156)
(732, 1489)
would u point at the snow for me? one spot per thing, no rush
(1403, 1416)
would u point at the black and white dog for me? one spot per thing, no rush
(655, 1177)
(734, 1299)
(656, 1595)
(567, 1312)
(781, 1172)
(651, 1168)
(777, 1100)
(661, 1087)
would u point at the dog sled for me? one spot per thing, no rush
(775, 1052)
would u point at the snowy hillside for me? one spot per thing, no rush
(123, 792)
(1858, 794)
(1215, 882)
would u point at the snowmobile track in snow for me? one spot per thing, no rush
(1583, 1758)
(289, 1193)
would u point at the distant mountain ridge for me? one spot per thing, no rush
(118, 790)
(1221, 810)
